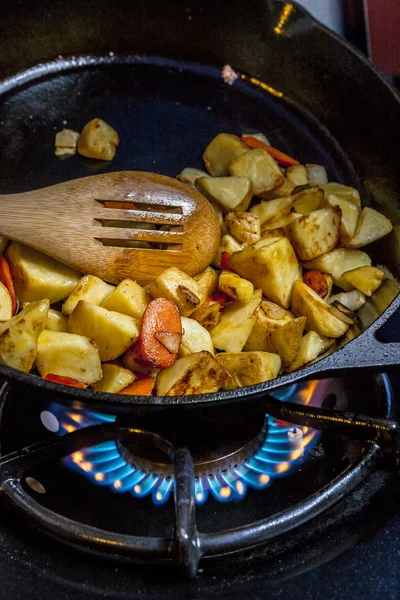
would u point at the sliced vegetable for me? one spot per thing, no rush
(297, 175)
(225, 261)
(343, 191)
(311, 346)
(198, 373)
(248, 368)
(315, 233)
(178, 287)
(19, 336)
(306, 303)
(350, 217)
(161, 316)
(308, 200)
(128, 298)
(65, 380)
(56, 321)
(195, 338)
(207, 282)
(236, 323)
(282, 158)
(209, 313)
(221, 151)
(371, 227)
(353, 300)
(337, 262)
(115, 379)
(321, 283)
(272, 210)
(7, 280)
(244, 226)
(235, 286)
(229, 245)
(142, 386)
(258, 166)
(90, 288)
(270, 317)
(230, 193)
(286, 339)
(133, 360)
(365, 279)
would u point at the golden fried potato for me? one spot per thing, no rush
(244, 226)
(221, 151)
(235, 286)
(182, 289)
(128, 298)
(272, 210)
(236, 323)
(227, 244)
(98, 140)
(297, 175)
(248, 368)
(189, 175)
(337, 262)
(286, 339)
(271, 316)
(315, 233)
(115, 379)
(198, 373)
(260, 167)
(365, 279)
(306, 303)
(5, 304)
(208, 314)
(195, 338)
(311, 346)
(90, 288)
(230, 193)
(350, 217)
(308, 200)
(371, 227)
(208, 281)
(56, 321)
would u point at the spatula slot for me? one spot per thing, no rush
(171, 246)
(162, 205)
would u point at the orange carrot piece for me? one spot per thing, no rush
(220, 297)
(280, 157)
(317, 282)
(225, 262)
(161, 315)
(142, 386)
(121, 205)
(7, 280)
(64, 380)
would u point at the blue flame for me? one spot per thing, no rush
(281, 451)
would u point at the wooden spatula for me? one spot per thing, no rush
(82, 223)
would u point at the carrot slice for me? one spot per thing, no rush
(220, 297)
(7, 280)
(225, 261)
(64, 380)
(280, 157)
(161, 315)
(317, 282)
(121, 205)
(142, 386)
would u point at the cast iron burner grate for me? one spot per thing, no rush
(377, 446)
(276, 451)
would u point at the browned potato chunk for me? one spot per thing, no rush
(182, 289)
(66, 141)
(311, 346)
(98, 140)
(198, 373)
(316, 233)
(236, 323)
(343, 191)
(280, 222)
(128, 298)
(230, 193)
(282, 191)
(248, 368)
(273, 268)
(208, 314)
(207, 281)
(271, 316)
(316, 175)
(260, 167)
(306, 303)
(228, 244)
(235, 286)
(337, 262)
(286, 339)
(221, 151)
(272, 210)
(195, 338)
(350, 217)
(56, 321)
(19, 336)
(371, 227)
(365, 279)
(353, 300)
(297, 175)
(90, 288)
(115, 379)
(308, 200)
(244, 226)
(190, 175)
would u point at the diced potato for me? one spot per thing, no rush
(221, 151)
(244, 226)
(231, 193)
(3, 243)
(306, 303)
(266, 240)
(98, 140)
(207, 282)
(133, 362)
(68, 355)
(195, 338)
(343, 191)
(260, 167)
(311, 346)
(297, 175)
(5, 304)
(275, 233)
(273, 268)
(353, 300)
(235, 286)
(198, 373)
(115, 379)
(371, 227)
(248, 368)
(365, 279)
(308, 200)
(37, 276)
(19, 336)
(182, 289)
(90, 288)
(56, 321)
(282, 191)
(66, 141)
(286, 339)
(128, 298)
(337, 262)
(227, 244)
(316, 233)
(280, 222)
(189, 175)
(236, 323)
(350, 217)
(272, 210)
(316, 175)
(113, 332)
(270, 317)
(208, 314)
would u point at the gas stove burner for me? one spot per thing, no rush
(275, 451)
